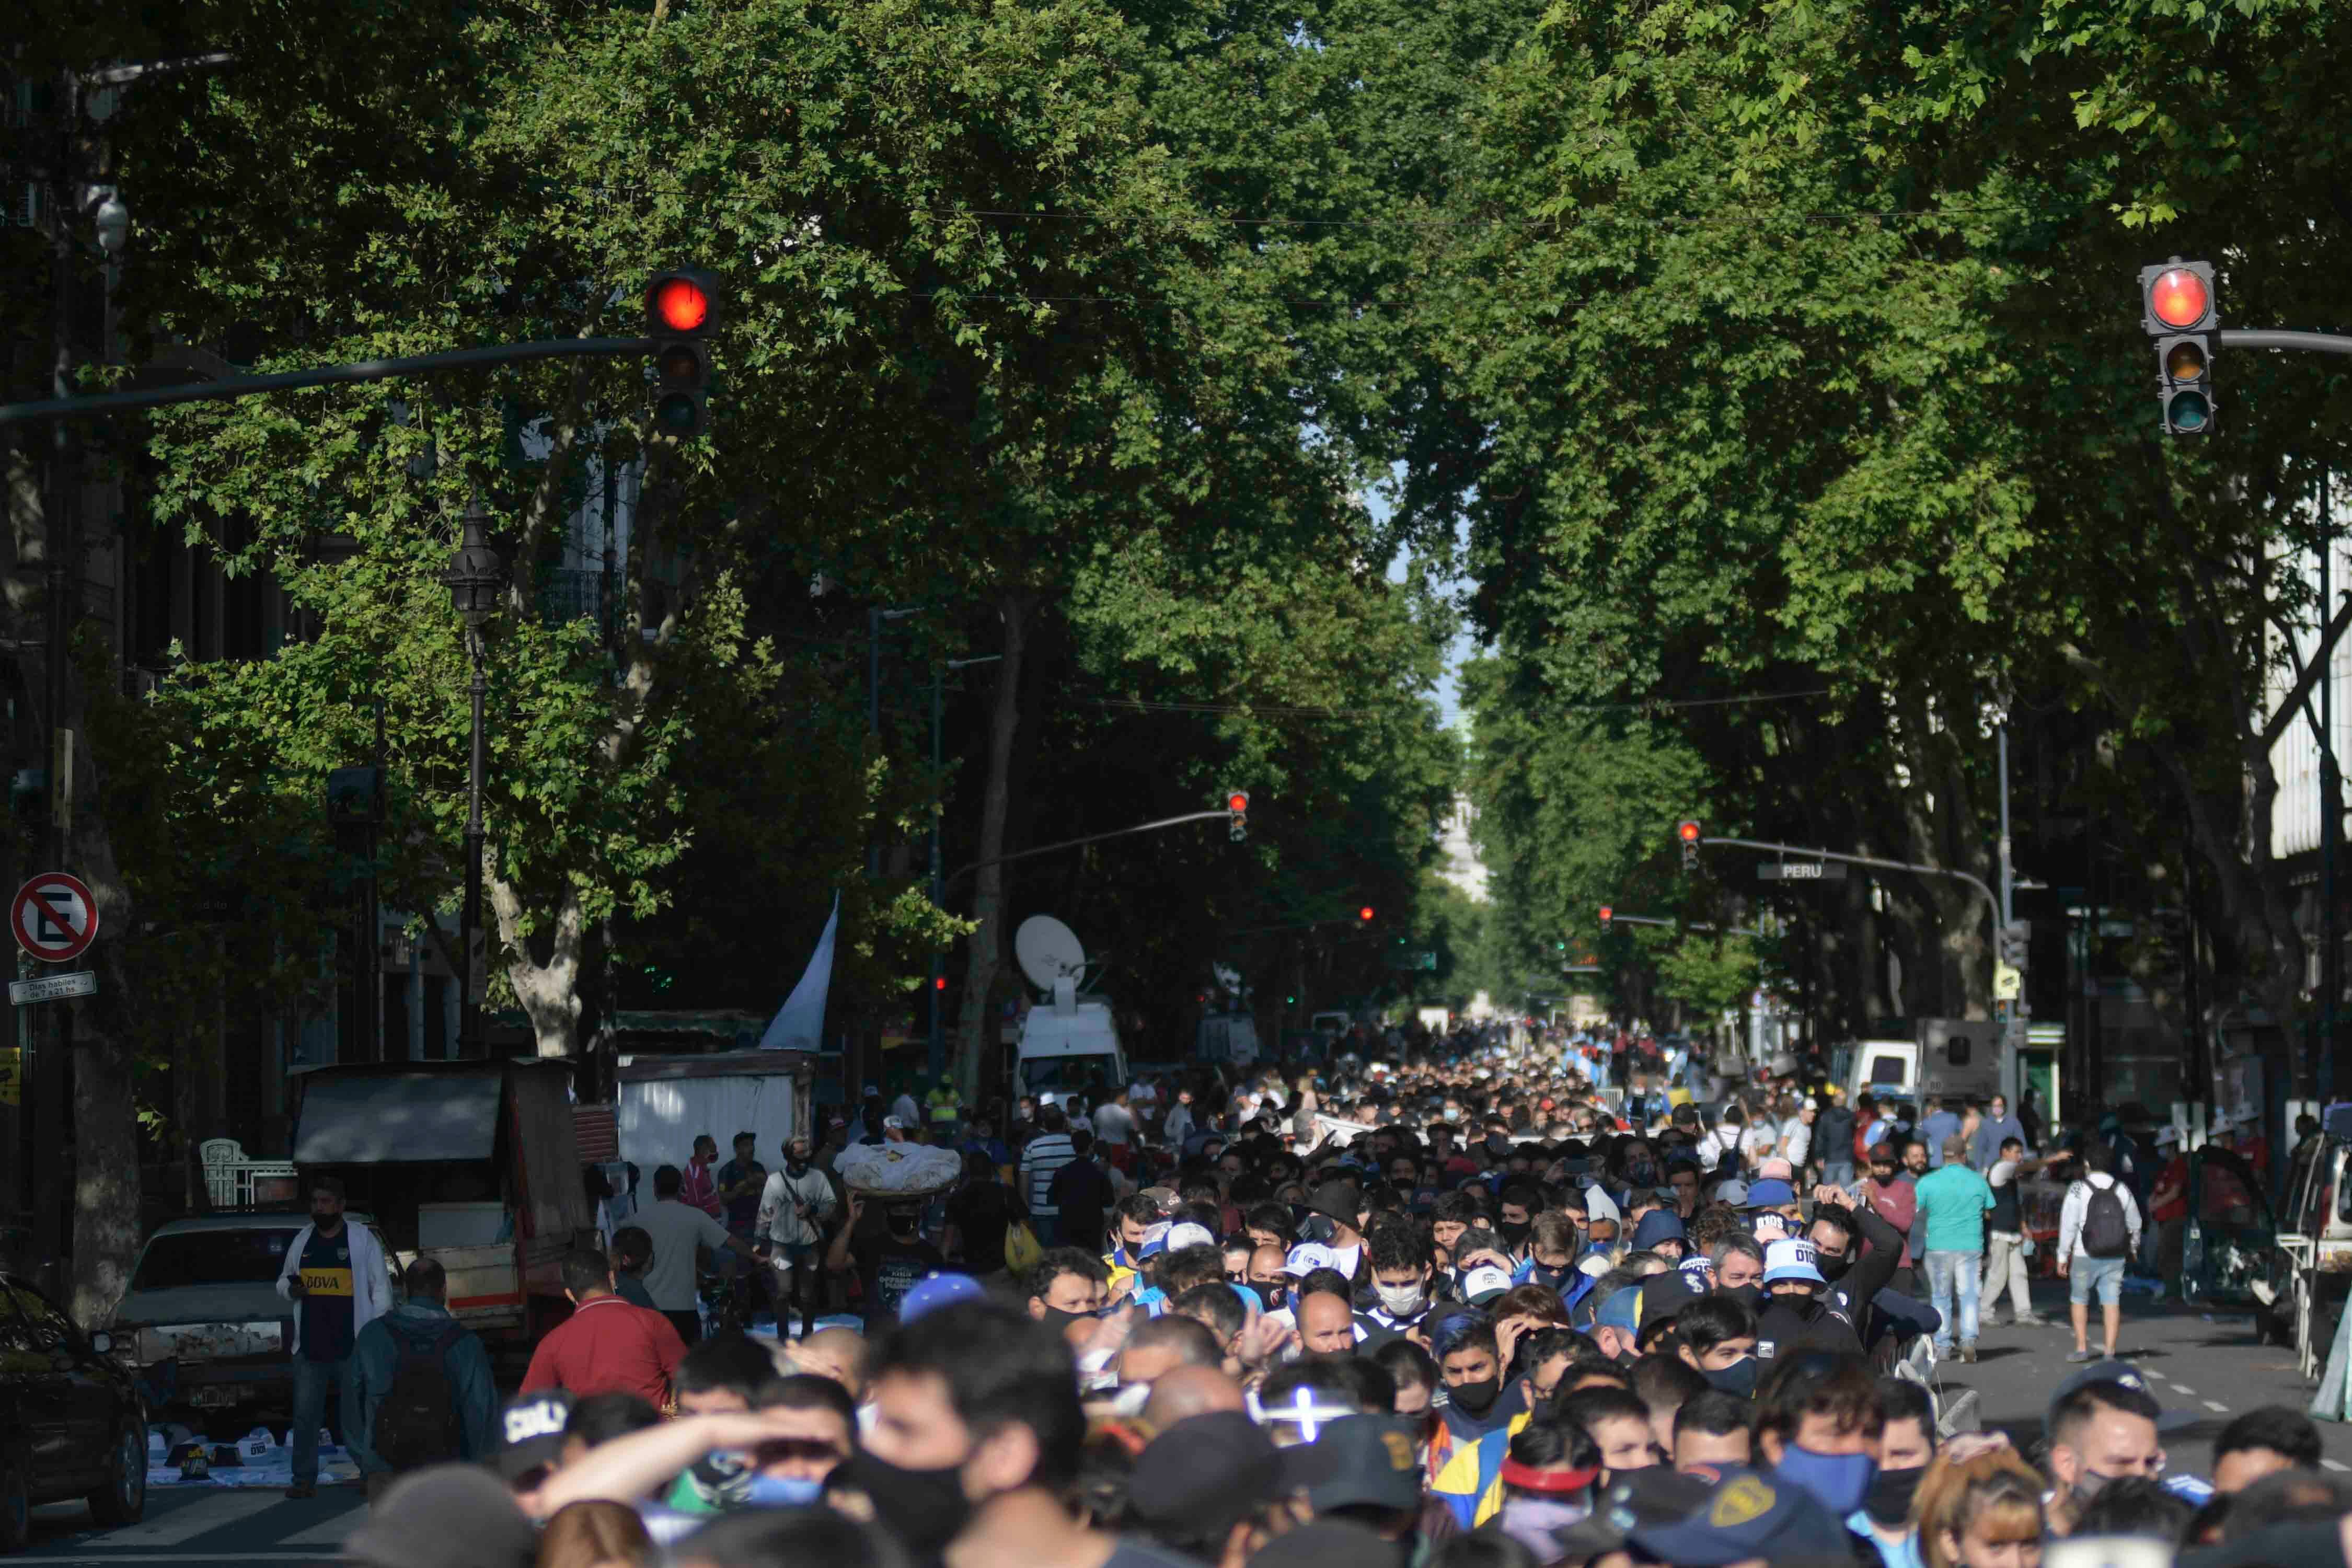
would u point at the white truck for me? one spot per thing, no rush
(1069, 1053)
(1949, 1057)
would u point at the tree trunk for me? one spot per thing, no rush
(988, 882)
(106, 1219)
(548, 991)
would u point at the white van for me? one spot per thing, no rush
(1956, 1057)
(1227, 1037)
(1069, 1055)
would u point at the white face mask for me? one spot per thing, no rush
(1400, 1300)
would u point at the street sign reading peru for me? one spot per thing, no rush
(55, 918)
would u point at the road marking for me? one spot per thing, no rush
(2335, 1465)
(331, 1532)
(181, 1525)
(2182, 1388)
(2216, 1404)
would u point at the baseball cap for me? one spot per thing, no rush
(1366, 1461)
(448, 1516)
(1733, 1192)
(2116, 1372)
(1336, 1201)
(1795, 1258)
(1746, 1514)
(1620, 1309)
(1811, 1104)
(1207, 1473)
(1484, 1284)
(1769, 1195)
(1777, 1169)
(531, 1432)
(1329, 1541)
(1656, 1496)
(894, 1124)
(933, 1291)
(1189, 1234)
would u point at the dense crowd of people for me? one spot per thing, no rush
(1461, 1308)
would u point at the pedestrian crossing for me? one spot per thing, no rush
(203, 1525)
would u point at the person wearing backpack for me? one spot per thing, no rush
(426, 1395)
(2098, 1229)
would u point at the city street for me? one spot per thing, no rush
(2205, 1364)
(204, 1524)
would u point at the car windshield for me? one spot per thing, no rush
(212, 1257)
(1064, 1073)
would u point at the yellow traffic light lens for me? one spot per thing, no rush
(2179, 297)
(2185, 361)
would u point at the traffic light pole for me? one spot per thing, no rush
(325, 376)
(2257, 338)
(1615, 919)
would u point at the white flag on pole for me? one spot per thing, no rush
(799, 1025)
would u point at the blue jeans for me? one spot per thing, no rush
(310, 1381)
(1837, 1172)
(1951, 1274)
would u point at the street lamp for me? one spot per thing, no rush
(475, 579)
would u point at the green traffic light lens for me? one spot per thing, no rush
(677, 412)
(2189, 410)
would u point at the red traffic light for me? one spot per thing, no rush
(938, 983)
(1365, 914)
(1237, 801)
(1606, 912)
(1687, 832)
(679, 303)
(2179, 297)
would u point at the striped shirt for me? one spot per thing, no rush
(1046, 1153)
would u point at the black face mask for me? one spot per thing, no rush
(1547, 1278)
(1888, 1501)
(1833, 1269)
(1060, 1320)
(1738, 1378)
(924, 1509)
(1515, 1234)
(1478, 1397)
(1273, 1296)
(1748, 1296)
(795, 1167)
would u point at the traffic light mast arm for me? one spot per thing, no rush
(2258, 338)
(1218, 815)
(325, 376)
(1615, 919)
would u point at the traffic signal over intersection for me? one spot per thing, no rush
(682, 308)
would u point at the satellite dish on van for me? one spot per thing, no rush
(1048, 951)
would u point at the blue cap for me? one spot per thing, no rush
(1747, 1515)
(1622, 1310)
(936, 1290)
(1769, 1193)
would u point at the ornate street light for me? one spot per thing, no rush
(476, 579)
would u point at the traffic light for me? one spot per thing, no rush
(1364, 915)
(2177, 297)
(1237, 815)
(1686, 831)
(681, 310)
(2010, 941)
(1606, 912)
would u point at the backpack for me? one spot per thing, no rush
(2107, 1232)
(417, 1423)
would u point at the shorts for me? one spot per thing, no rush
(2103, 1275)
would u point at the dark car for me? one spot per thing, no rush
(70, 1420)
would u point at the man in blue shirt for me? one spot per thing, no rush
(1935, 1127)
(421, 1326)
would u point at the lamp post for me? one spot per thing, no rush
(475, 579)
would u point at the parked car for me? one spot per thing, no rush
(71, 1422)
(205, 1323)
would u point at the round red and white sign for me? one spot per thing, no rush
(55, 918)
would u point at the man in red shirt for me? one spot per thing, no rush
(2169, 1206)
(606, 1346)
(698, 1188)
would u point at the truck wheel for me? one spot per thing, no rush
(16, 1504)
(121, 1497)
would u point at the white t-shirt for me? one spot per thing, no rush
(1114, 1124)
(677, 1229)
(1760, 1140)
(1143, 1094)
(1796, 1141)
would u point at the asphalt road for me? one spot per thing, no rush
(203, 1524)
(2202, 1362)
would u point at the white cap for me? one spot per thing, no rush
(1811, 1104)
(1792, 1259)
(1484, 1283)
(1189, 1234)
